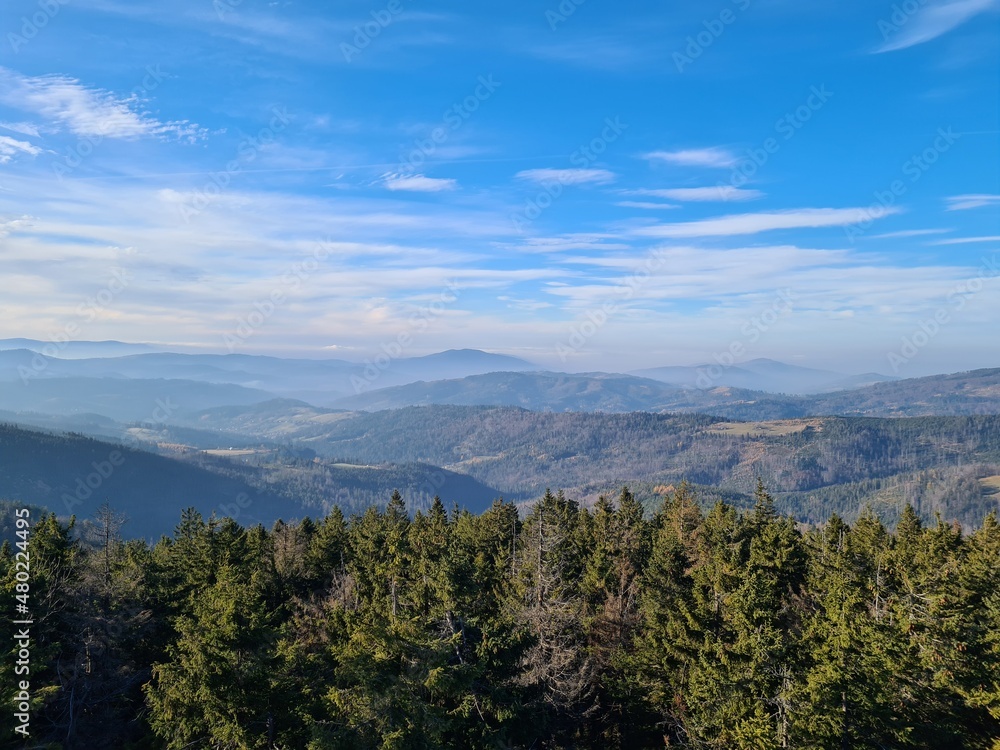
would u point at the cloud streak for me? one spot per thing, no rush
(419, 183)
(88, 112)
(741, 224)
(10, 147)
(972, 200)
(567, 176)
(714, 157)
(647, 205)
(721, 193)
(967, 240)
(933, 21)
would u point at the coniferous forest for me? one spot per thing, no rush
(567, 627)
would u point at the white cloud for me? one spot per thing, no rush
(10, 147)
(908, 233)
(972, 200)
(87, 112)
(568, 176)
(528, 305)
(967, 240)
(8, 225)
(737, 224)
(645, 204)
(723, 193)
(418, 183)
(24, 128)
(573, 241)
(715, 157)
(933, 21)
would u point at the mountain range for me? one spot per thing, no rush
(468, 425)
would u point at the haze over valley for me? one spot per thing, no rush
(470, 426)
(561, 375)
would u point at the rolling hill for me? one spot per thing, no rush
(976, 392)
(320, 381)
(817, 464)
(71, 474)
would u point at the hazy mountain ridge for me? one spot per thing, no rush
(123, 399)
(757, 389)
(316, 380)
(538, 391)
(515, 432)
(760, 375)
(976, 392)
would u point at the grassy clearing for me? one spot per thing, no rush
(990, 485)
(762, 429)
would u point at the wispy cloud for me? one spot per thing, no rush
(419, 183)
(646, 205)
(9, 225)
(715, 157)
(967, 240)
(934, 21)
(972, 200)
(903, 233)
(24, 128)
(724, 193)
(573, 241)
(528, 305)
(88, 112)
(9, 147)
(737, 224)
(568, 176)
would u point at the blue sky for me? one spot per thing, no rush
(592, 186)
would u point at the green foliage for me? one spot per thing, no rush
(570, 628)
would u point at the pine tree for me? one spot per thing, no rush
(218, 685)
(673, 628)
(556, 668)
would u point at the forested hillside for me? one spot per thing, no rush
(816, 466)
(976, 392)
(293, 459)
(73, 475)
(571, 628)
